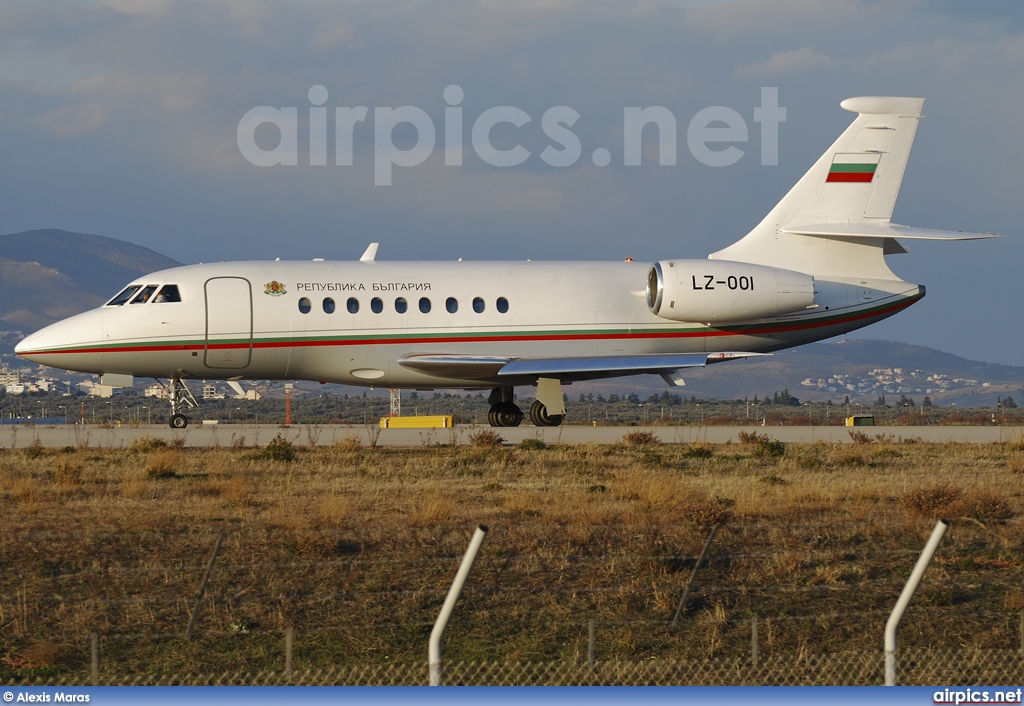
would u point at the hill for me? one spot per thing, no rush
(47, 275)
(861, 369)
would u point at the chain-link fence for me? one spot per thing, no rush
(916, 667)
(771, 603)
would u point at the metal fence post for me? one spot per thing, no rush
(753, 642)
(202, 587)
(94, 649)
(288, 631)
(434, 649)
(693, 575)
(905, 596)
(590, 646)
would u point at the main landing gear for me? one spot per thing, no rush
(180, 397)
(505, 413)
(540, 417)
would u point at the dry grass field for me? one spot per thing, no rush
(354, 547)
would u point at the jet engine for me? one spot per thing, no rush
(720, 291)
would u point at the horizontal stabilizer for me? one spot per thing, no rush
(868, 231)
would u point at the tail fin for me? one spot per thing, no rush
(835, 221)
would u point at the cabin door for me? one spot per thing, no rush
(228, 323)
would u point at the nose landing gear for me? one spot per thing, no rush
(179, 397)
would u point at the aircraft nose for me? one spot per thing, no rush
(70, 344)
(31, 344)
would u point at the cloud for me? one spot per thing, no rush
(328, 35)
(171, 92)
(783, 64)
(71, 120)
(953, 54)
(531, 200)
(774, 17)
(136, 7)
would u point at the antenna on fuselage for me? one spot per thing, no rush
(371, 253)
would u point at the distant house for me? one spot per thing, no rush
(156, 390)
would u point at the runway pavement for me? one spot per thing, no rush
(226, 435)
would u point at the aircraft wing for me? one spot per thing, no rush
(576, 368)
(454, 365)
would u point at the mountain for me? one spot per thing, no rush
(47, 275)
(833, 370)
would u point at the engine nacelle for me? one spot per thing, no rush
(720, 291)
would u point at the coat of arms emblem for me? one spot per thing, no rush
(275, 288)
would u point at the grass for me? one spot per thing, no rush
(355, 546)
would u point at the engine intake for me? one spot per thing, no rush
(720, 291)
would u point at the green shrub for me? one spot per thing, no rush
(641, 438)
(35, 449)
(698, 451)
(279, 449)
(486, 438)
(769, 448)
(145, 444)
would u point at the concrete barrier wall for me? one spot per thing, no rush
(93, 436)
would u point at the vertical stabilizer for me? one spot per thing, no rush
(855, 182)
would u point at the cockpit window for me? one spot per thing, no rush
(169, 293)
(125, 295)
(145, 295)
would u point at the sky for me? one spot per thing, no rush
(128, 118)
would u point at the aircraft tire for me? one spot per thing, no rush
(505, 414)
(540, 417)
(178, 421)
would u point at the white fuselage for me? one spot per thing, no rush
(275, 320)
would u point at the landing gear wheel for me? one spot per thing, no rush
(540, 417)
(179, 396)
(505, 414)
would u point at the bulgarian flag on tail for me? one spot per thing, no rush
(855, 167)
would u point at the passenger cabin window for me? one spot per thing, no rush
(401, 306)
(376, 305)
(353, 305)
(478, 305)
(451, 304)
(305, 305)
(145, 295)
(169, 293)
(424, 305)
(125, 295)
(502, 305)
(328, 306)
